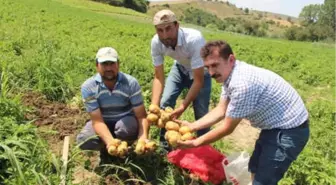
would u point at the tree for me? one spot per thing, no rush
(246, 10)
(310, 13)
(290, 33)
(137, 5)
(327, 16)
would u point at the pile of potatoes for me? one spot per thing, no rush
(143, 147)
(161, 118)
(176, 133)
(118, 148)
(158, 116)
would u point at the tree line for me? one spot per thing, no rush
(317, 23)
(137, 5)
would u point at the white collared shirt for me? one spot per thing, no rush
(186, 53)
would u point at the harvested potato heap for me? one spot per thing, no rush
(143, 147)
(175, 132)
(118, 148)
(158, 116)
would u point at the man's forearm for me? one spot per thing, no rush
(143, 128)
(157, 91)
(192, 93)
(215, 134)
(103, 132)
(224, 129)
(214, 116)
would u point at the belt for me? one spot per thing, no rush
(304, 124)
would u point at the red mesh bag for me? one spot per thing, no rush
(203, 161)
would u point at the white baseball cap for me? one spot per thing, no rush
(164, 17)
(107, 54)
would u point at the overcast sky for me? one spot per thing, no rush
(287, 7)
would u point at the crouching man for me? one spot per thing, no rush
(115, 104)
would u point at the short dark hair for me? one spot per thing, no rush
(223, 48)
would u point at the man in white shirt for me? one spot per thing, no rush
(184, 46)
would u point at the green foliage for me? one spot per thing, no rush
(212, 26)
(327, 15)
(313, 32)
(313, 166)
(205, 19)
(24, 157)
(310, 13)
(200, 17)
(246, 11)
(11, 108)
(138, 5)
(318, 23)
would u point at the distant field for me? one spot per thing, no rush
(223, 10)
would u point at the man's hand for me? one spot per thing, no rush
(188, 144)
(177, 112)
(114, 142)
(112, 146)
(186, 123)
(143, 137)
(140, 114)
(158, 84)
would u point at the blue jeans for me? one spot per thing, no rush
(274, 151)
(125, 129)
(175, 83)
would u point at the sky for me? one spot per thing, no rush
(287, 7)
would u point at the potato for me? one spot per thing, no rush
(142, 141)
(165, 117)
(187, 136)
(170, 125)
(194, 177)
(184, 129)
(115, 142)
(112, 150)
(151, 146)
(169, 133)
(174, 139)
(140, 148)
(160, 123)
(166, 136)
(154, 109)
(153, 118)
(124, 143)
(122, 150)
(169, 109)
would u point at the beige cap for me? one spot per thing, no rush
(107, 54)
(164, 17)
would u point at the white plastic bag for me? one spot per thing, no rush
(236, 169)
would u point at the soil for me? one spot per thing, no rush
(244, 136)
(56, 120)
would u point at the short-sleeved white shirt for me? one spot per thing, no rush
(186, 52)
